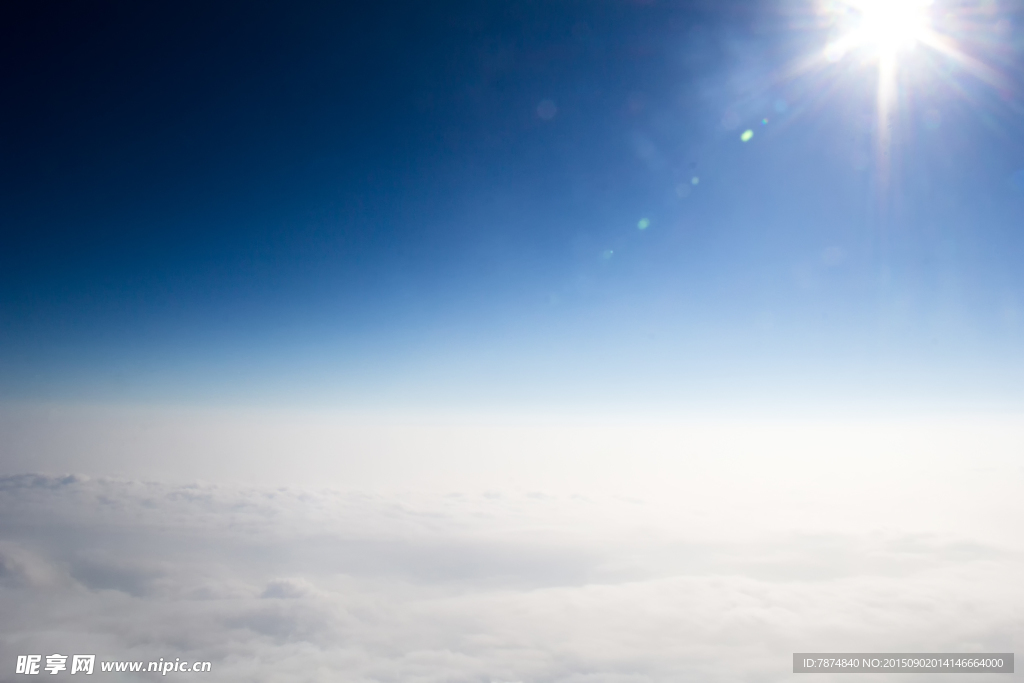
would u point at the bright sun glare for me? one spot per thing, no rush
(889, 25)
(883, 27)
(879, 30)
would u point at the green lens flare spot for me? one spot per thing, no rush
(747, 135)
(643, 224)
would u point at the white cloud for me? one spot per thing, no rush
(281, 584)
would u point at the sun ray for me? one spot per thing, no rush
(885, 108)
(946, 46)
(883, 36)
(883, 33)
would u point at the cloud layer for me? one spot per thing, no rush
(284, 584)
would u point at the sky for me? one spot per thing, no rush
(504, 204)
(564, 342)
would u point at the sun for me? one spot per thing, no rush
(878, 31)
(891, 25)
(882, 35)
(881, 27)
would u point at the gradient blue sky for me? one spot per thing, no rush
(427, 204)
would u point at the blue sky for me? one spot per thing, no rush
(411, 205)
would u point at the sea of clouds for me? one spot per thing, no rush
(303, 584)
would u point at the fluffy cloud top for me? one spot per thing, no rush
(283, 584)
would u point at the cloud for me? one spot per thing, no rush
(283, 584)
